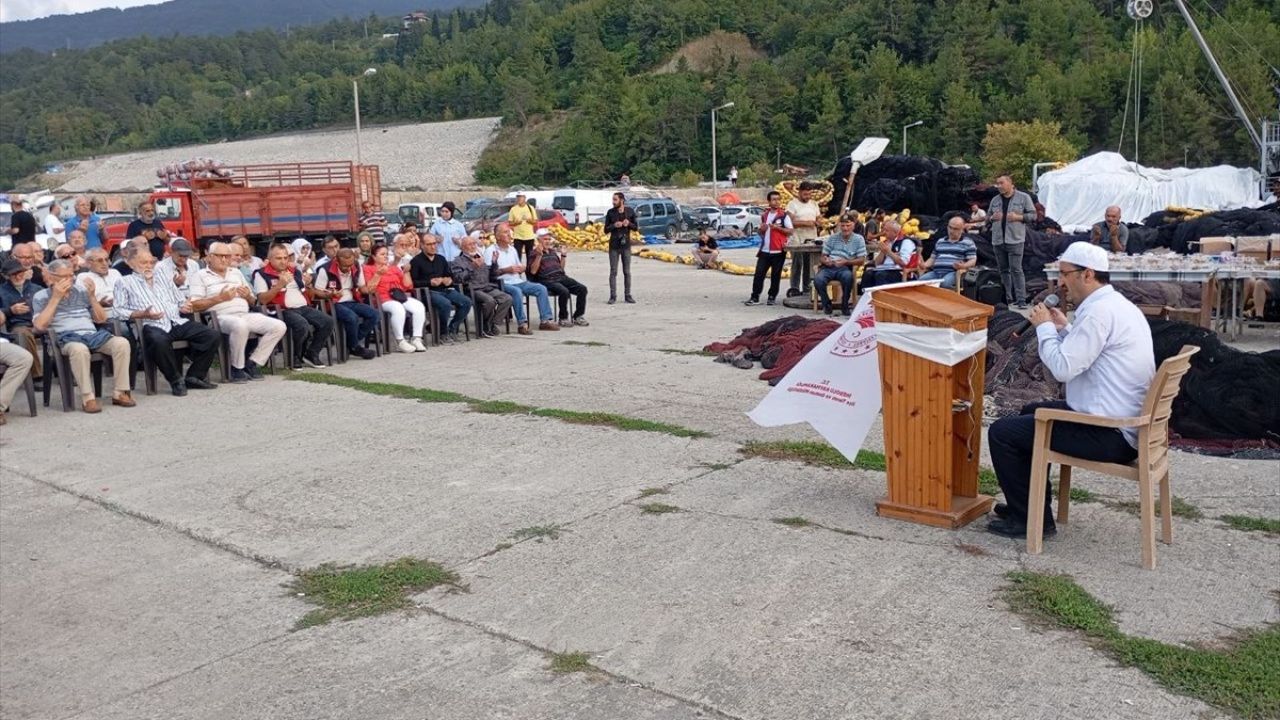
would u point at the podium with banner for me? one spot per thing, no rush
(932, 352)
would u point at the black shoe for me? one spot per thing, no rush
(793, 292)
(296, 364)
(629, 299)
(751, 301)
(844, 311)
(613, 300)
(771, 301)
(239, 376)
(1010, 528)
(253, 370)
(178, 388)
(826, 310)
(196, 383)
(313, 360)
(365, 353)
(1000, 510)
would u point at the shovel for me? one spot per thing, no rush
(868, 150)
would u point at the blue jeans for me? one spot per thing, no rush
(842, 275)
(358, 320)
(947, 276)
(517, 291)
(444, 301)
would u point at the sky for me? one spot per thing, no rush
(31, 9)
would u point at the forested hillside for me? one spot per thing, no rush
(580, 74)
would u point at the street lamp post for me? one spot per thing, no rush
(904, 134)
(715, 179)
(355, 95)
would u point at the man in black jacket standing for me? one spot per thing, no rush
(619, 222)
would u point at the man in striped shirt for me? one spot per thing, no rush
(160, 305)
(953, 254)
(372, 222)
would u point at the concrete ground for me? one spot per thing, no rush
(146, 554)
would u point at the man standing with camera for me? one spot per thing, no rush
(619, 222)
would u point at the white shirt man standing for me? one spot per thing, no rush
(804, 212)
(221, 289)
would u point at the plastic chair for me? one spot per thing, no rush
(60, 365)
(1151, 467)
(148, 365)
(29, 386)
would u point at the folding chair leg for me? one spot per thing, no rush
(1039, 480)
(1064, 493)
(30, 387)
(1166, 510)
(1147, 509)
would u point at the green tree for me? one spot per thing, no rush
(1012, 148)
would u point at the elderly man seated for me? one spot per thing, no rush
(280, 286)
(72, 314)
(160, 305)
(893, 256)
(430, 270)
(221, 290)
(179, 266)
(1110, 234)
(339, 281)
(510, 271)
(546, 266)
(475, 274)
(32, 260)
(17, 362)
(954, 253)
(841, 253)
(100, 275)
(17, 290)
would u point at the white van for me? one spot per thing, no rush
(581, 206)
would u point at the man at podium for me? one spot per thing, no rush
(1106, 361)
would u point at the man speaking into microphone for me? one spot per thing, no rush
(1106, 361)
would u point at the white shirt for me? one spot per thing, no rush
(505, 258)
(905, 251)
(103, 287)
(1104, 357)
(804, 211)
(53, 227)
(207, 283)
(168, 267)
(293, 297)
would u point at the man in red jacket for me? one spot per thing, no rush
(775, 228)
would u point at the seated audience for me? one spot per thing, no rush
(72, 314)
(707, 251)
(330, 249)
(546, 267)
(159, 305)
(281, 289)
(339, 281)
(386, 282)
(32, 260)
(17, 361)
(430, 270)
(103, 276)
(842, 254)
(221, 289)
(16, 293)
(892, 257)
(1111, 234)
(475, 274)
(1259, 290)
(956, 252)
(179, 266)
(510, 271)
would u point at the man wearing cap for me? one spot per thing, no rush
(17, 292)
(842, 254)
(22, 224)
(523, 219)
(450, 231)
(546, 266)
(1106, 361)
(148, 226)
(178, 268)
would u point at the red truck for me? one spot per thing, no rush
(265, 203)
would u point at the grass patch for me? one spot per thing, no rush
(717, 466)
(1243, 678)
(678, 351)
(620, 422)
(550, 532)
(794, 522)
(658, 508)
(649, 492)
(987, 483)
(502, 546)
(349, 593)
(570, 662)
(1180, 508)
(585, 343)
(812, 453)
(1080, 495)
(1247, 523)
(499, 407)
(407, 392)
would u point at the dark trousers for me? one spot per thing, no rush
(358, 320)
(444, 302)
(1011, 439)
(494, 306)
(872, 278)
(524, 247)
(307, 322)
(564, 289)
(772, 264)
(203, 348)
(619, 255)
(842, 275)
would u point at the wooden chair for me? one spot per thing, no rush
(1151, 467)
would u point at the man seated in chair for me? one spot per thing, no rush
(279, 285)
(841, 254)
(431, 271)
(17, 362)
(892, 257)
(1106, 361)
(952, 254)
(546, 267)
(160, 305)
(72, 314)
(475, 274)
(221, 289)
(339, 281)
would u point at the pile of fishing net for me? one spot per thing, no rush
(897, 182)
(777, 345)
(194, 169)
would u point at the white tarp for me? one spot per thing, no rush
(1078, 195)
(944, 346)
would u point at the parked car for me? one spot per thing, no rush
(482, 217)
(739, 217)
(421, 214)
(546, 218)
(394, 223)
(658, 216)
(703, 216)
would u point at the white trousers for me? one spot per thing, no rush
(396, 310)
(239, 326)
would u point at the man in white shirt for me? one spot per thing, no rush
(510, 268)
(221, 289)
(53, 226)
(890, 259)
(178, 267)
(1105, 359)
(804, 212)
(775, 229)
(100, 275)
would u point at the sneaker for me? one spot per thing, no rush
(581, 321)
(455, 335)
(751, 301)
(417, 344)
(490, 332)
(548, 325)
(446, 339)
(405, 346)
(253, 370)
(771, 301)
(565, 322)
(312, 360)
(239, 376)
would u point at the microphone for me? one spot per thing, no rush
(1050, 301)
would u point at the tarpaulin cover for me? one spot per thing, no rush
(1077, 196)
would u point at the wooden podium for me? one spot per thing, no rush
(932, 412)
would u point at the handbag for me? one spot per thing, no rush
(398, 295)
